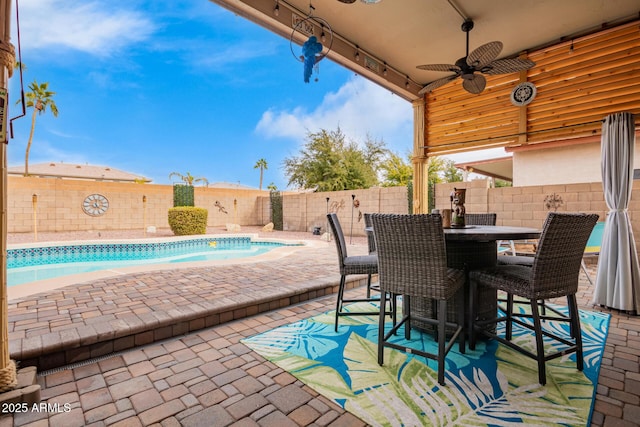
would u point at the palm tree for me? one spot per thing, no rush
(262, 164)
(38, 98)
(189, 179)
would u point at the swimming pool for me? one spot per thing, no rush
(32, 263)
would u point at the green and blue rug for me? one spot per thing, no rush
(491, 386)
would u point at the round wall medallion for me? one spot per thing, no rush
(95, 205)
(523, 94)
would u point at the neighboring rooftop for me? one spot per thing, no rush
(232, 185)
(76, 171)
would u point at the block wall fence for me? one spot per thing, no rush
(59, 205)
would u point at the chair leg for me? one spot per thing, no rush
(537, 327)
(586, 273)
(406, 312)
(576, 331)
(461, 321)
(383, 303)
(442, 338)
(343, 279)
(509, 324)
(368, 286)
(473, 312)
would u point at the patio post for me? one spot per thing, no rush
(8, 376)
(420, 161)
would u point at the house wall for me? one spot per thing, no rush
(566, 164)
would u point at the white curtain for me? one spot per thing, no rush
(618, 278)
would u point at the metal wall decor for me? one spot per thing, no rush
(523, 94)
(95, 205)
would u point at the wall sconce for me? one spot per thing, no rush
(384, 70)
(323, 36)
(276, 9)
(357, 54)
(406, 83)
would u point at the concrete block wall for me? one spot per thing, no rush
(59, 205)
(527, 206)
(304, 211)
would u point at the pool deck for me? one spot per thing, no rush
(178, 359)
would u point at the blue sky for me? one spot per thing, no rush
(154, 87)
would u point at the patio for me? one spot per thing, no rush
(205, 376)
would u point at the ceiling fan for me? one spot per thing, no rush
(481, 60)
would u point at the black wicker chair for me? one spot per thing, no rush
(412, 262)
(371, 244)
(360, 264)
(553, 273)
(480, 218)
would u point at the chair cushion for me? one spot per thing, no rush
(362, 264)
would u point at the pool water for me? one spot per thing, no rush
(26, 265)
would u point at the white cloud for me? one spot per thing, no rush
(89, 27)
(359, 108)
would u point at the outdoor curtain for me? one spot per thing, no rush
(618, 278)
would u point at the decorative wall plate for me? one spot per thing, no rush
(95, 205)
(523, 94)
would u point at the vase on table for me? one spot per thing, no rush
(457, 207)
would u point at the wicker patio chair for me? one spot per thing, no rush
(361, 264)
(371, 244)
(504, 246)
(480, 218)
(554, 273)
(412, 262)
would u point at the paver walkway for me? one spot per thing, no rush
(208, 378)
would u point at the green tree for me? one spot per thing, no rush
(328, 162)
(396, 171)
(272, 187)
(262, 165)
(189, 179)
(39, 97)
(443, 170)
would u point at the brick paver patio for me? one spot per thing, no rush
(179, 360)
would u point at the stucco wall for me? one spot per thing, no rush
(569, 164)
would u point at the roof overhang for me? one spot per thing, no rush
(500, 168)
(396, 36)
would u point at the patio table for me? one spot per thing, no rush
(472, 248)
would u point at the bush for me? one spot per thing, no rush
(188, 220)
(183, 195)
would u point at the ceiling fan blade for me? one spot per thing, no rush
(506, 66)
(484, 54)
(445, 68)
(475, 85)
(437, 83)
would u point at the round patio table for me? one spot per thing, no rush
(471, 248)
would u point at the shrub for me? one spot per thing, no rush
(183, 195)
(188, 220)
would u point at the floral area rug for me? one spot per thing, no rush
(491, 386)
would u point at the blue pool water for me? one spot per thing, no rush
(26, 265)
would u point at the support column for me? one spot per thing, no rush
(8, 375)
(420, 160)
